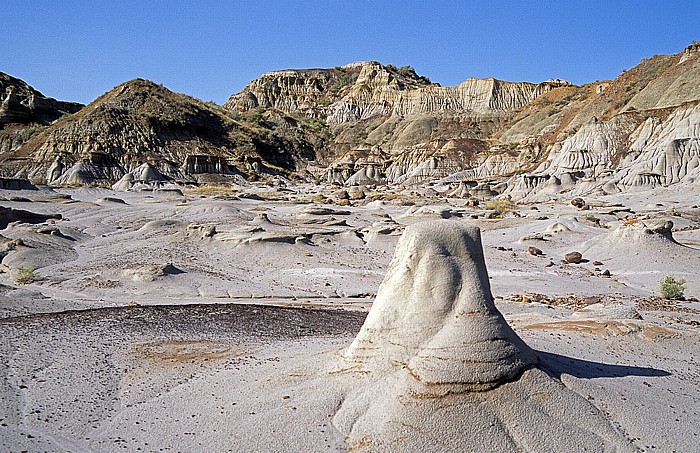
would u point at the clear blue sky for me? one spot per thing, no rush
(77, 50)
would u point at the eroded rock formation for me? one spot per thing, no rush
(408, 120)
(367, 123)
(182, 138)
(434, 309)
(441, 369)
(20, 103)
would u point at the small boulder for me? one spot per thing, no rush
(659, 226)
(534, 251)
(356, 194)
(150, 273)
(573, 257)
(534, 237)
(578, 202)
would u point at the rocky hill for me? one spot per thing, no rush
(390, 122)
(20, 103)
(175, 136)
(23, 110)
(638, 131)
(367, 123)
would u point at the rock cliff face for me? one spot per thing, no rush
(24, 110)
(312, 92)
(416, 124)
(636, 132)
(20, 103)
(639, 131)
(362, 90)
(185, 139)
(366, 123)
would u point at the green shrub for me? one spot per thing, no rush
(26, 275)
(672, 288)
(319, 198)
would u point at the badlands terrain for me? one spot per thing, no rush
(138, 331)
(353, 258)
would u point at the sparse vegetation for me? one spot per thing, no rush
(672, 288)
(502, 205)
(39, 181)
(212, 190)
(409, 72)
(319, 198)
(274, 196)
(317, 123)
(31, 130)
(26, 275)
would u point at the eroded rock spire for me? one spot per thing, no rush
(434, 314)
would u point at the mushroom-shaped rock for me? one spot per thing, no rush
(434, 313)
(435, 367)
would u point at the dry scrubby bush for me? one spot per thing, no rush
(39, 181)
(502, 205)
(320, 198)
(213, 190)
(672, 288)
(273, 196)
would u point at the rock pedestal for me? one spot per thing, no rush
(435, 367)
(434, 314)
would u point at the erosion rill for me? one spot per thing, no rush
(440, 369)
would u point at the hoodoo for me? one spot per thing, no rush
(437, 367)
(434, 313)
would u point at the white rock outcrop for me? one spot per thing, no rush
(664, 153)
(642, 252)
(434, 311)
(439, 369)
(373, 94)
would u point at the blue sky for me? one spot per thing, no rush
(77, 50)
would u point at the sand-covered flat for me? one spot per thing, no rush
(252, 378)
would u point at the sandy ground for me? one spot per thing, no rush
(166, 352)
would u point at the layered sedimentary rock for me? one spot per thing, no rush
(140, 122)
(367, 123)
(312, 92)
(640, 131)
(663, 152)
(362, 90)
(24, 111)
(434, 311)
(438, 368)
(20, 103)
(368, 105)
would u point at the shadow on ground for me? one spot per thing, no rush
(555, 365)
